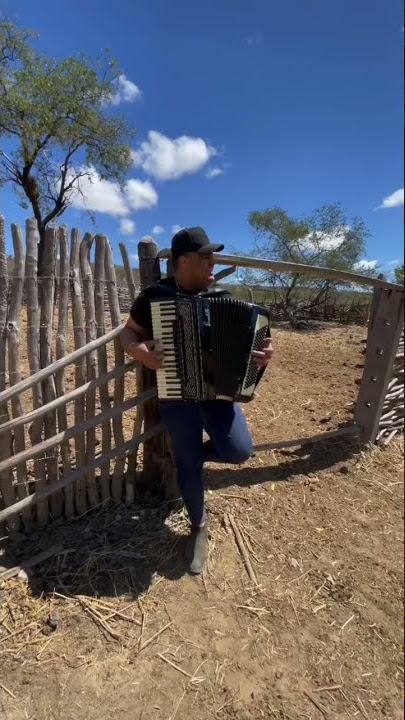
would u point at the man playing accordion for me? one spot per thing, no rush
(223, 420)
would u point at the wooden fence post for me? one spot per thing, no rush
(149, 272)
(128, 272)
(169, 267)
(63, 287)
(158, 467)
(6, 478)
(137, 429)
(80, 366)
(99, 285)
(385, 327)
(119, 359)
(90, 317)
(14, 359)
(33, 322)
(46, 334)
(140, 410)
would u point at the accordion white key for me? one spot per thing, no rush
(207, 344)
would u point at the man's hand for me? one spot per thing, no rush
(264, 355)
(149, 354)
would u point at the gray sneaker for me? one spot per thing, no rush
(197, 549)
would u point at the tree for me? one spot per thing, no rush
(56, 118)
(399, 274)
(14, 48)
(325, 238)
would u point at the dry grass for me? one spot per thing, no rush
(114, 626)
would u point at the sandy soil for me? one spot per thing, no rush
(114, 626)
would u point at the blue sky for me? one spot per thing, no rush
(241, 106)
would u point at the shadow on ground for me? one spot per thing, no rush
(307, 460)
(111, 551)
(115, 551)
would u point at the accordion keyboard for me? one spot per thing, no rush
(207, 345)
(168, 378)
(250, 379)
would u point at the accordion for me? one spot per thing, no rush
(207, 344)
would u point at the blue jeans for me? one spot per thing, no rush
(230, 442)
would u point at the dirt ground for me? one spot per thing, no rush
(113, 626)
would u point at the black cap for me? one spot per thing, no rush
(194, 240)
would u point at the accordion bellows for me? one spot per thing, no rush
(207, 344)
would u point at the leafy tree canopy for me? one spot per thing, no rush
(325, 238)
(56, 116)
(399, 274)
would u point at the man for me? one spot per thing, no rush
(230, 440)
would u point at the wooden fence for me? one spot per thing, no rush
(72, 422)
(334, 310)
(59, 455)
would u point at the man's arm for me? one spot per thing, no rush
(133, 341)
(131, 336)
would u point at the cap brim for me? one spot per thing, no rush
(206, 249)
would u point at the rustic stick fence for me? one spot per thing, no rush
(69, 425)
(335, 309)
(72, 422)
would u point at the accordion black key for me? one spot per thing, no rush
(207, 344)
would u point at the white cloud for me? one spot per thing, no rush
(167, 159)
(388, 268)
(385, 268)
(323, 241)
(366, 265)
(93, 193)
(127, 91)
(141, 194)
(396, 199)
(127, 227)
(214, 172)
(157, 230)
(176, 228)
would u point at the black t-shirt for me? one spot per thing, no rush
(140, 311)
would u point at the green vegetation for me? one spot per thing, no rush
(56, 125)
(399, 274)
(327, 238)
